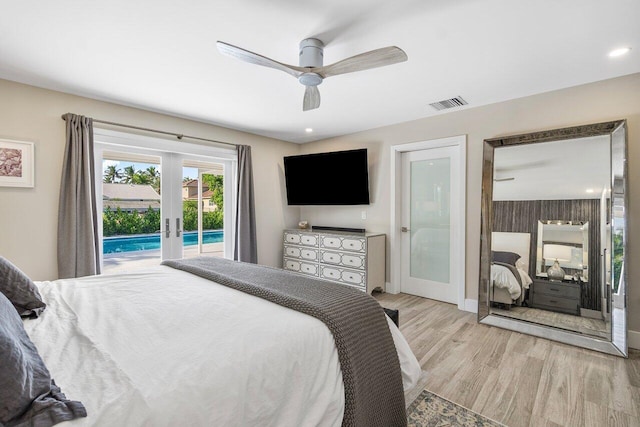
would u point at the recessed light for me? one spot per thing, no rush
(619, 52)
(308, 130)
(589, 190)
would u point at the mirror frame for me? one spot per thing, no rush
(618, 344)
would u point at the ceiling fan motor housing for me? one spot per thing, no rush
(311, 56)
(311, 53)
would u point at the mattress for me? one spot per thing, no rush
(161, 347)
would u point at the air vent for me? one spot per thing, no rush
(449, 103)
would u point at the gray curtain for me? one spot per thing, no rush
(245, 248)
(78, 242)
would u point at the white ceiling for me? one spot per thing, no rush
(160, 55)
(559, 170)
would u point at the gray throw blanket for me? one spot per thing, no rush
(367, 354)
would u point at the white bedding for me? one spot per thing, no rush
(162, 347)
(502, 277)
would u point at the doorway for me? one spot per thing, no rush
(159, 203)
(428, 219)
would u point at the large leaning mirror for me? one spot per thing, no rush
(553, 237)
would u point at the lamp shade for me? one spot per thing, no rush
(557, 252)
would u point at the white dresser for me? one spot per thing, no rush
(351, 259)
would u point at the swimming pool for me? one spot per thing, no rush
(147, 242)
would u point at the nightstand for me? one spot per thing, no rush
(563, 297)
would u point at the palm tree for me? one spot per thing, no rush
(112, 174)
(153, 173)
(129, 175)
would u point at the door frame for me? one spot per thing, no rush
(134, 143)
(458, 227)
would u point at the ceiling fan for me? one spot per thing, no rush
(503, 179)
(311, 72)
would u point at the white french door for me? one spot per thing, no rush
(176, 199)
(431, 212)
(171, 218)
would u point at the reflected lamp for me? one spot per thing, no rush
(557, 253)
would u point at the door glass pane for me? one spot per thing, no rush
(430, 219)
(131, 211)
(203, 209)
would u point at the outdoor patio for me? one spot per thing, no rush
(134, 260)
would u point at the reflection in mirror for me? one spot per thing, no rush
(570, 240)
(553, 264)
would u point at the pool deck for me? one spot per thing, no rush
(126, 261)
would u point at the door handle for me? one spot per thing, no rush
(167, 228)
(178, 231)
(404, 229)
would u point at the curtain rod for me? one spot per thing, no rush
(179, 136)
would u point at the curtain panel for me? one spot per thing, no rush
(78, 242)
(245, 248)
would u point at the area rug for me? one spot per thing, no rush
(431, 410)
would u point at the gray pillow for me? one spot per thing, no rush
(505, 257)
(20, 290)
(28, 395)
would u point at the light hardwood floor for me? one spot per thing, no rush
(516, 379)
(585, 325)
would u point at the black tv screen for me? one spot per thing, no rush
(336, 178)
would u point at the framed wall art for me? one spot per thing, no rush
(17, 163)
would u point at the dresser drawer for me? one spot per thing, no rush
(309, 254)
(301, 267)
(300, 252)
(291, 251)
(307, 239)
(330, 273)
(349, 277)
(304, 239)
(557, 289)
(292, 238)
(344, 259)
(353, 244)
(353, 277)
(557, 303)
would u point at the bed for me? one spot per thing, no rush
(163, 347)
(509, 274)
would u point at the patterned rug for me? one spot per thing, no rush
(430, 410)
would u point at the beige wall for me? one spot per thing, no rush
(28, 216)
(28, 231)
(603, 101)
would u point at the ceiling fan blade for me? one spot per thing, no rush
(372, 59)
(503, 179)
(254, 58)
(311, 98)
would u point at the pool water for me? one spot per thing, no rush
(147, 242)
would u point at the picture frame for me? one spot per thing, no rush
(17, 163)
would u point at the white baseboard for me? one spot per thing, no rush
(471, 305)
(634, 339)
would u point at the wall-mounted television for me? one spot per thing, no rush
(335, 178)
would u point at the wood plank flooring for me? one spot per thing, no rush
(585, 325)
(516, 379)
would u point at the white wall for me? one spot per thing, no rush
(598, 102)
(28, 216)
